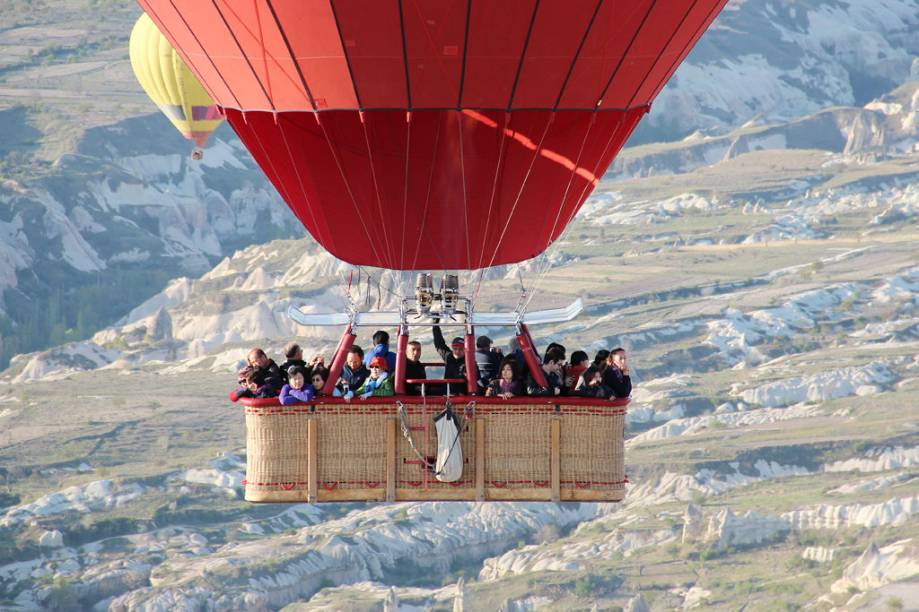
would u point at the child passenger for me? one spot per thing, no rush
(507, 385)
(379, 383)
(297, 390)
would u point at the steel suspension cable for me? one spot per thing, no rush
(576, 209)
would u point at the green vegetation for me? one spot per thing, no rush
(59, 310)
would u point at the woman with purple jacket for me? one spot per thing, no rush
(297, 390)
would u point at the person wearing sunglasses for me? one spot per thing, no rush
(379, 383)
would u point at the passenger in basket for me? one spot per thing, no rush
(616, 375)
(590, 384)
(454, 358)
(487, 360)
(255, 386)
(317, 380)
(379, 383)
(507, 385)
(354, 373)
(556, 345)
(515, 352)
(274, 380)
(563, 370)
(294, 355)
(600, 359)
(574, 370)
(296, 390)
(381, 349)
(414, 369)
(551, 367)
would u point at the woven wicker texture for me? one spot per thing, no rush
(352, 448)
(352, 451)
(517, 447)
(276, 452)
(592, 451)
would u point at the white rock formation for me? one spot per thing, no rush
(92, 497)
(51, 539)
(738, 334)
(637, 604)
(873, 484)
(571, 554)
(391, 603)
(693, 525)
(819, 387)
(879, 566)
(819, 554)
(682, 487)
(459, 602)
(692, 425)
(878, 460)
(695, 597)
(728, 529)
(365, 544)
(891, 512)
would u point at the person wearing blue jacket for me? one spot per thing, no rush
(381, 349)
(297, 390)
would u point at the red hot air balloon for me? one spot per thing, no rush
(434, 134)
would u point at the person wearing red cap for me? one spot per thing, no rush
(379, 383)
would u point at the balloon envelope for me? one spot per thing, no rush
(170, 84)
(419, 134)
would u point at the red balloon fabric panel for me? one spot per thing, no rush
(434, 134)
(441, 189)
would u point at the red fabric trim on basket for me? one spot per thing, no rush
(566, 402)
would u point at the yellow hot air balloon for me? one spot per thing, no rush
(171, 85)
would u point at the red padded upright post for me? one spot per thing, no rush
(472, 372)
(529, 355)
(338, 362)
(401, 347)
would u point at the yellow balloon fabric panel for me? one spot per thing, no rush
(170, 84)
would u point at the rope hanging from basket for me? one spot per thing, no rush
(407, 432)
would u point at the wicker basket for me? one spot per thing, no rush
(527, 449)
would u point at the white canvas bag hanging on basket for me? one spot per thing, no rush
(449, 466)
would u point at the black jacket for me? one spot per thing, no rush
(295, 362)
(274, 379)
(453, 367)
(552, 380)
(619, 383)
(582, 389)
(414, 369)
(354, 378)
(488, 363)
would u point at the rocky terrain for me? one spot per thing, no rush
(101, 208)
(759, 264)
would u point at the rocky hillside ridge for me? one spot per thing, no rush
(126, 212)
(205, 322)
(774, 59)
(885, 127)
(773, 387)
